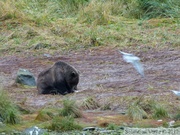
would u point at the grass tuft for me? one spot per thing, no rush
(64, 124)
(159, 111)
(112, 126)
(8, 111)
(70, 109)
(143, 108)
(90, 103)
(44, 115)
(177, 116)
(136, 112)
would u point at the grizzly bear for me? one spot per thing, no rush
(61, 78)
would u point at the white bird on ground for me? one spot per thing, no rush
(177, 93)
(135, 61)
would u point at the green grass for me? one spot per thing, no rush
(42, 12)
(83, 24)
(177, 116)
(159, 8)
(147, 108)
(159, 111)
(112, 126)
(64, 124)
(8, 111)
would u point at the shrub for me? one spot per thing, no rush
(70, 109)
(64, 124)
(8, 111)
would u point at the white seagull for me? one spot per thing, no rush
(135, 61)
(177, 93)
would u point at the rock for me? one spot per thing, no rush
(159, 120)
(25, 77)
(41, 45)
(34, 131)
(171, 123)
(89, 129)
(123, 113)
(47, 55)
(2, 124)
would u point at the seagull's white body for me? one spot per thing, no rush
(177, 93)
(134, 60)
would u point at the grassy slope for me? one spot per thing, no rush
(25, 24)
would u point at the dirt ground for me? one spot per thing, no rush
(103, 75)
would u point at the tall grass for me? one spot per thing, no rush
(70, 7)
(159, 8)
(8, 111)
(8, 10)
(69, 25)
(98, 11)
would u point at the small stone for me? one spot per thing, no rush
(41, 45)
(25, 77)
(171, 123)
(47, 55)
(34, 131)
(123, 113)
(89, 129)
(159, 120)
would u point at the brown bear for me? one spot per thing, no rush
(61, 78)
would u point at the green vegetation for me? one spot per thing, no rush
(49, 10)
(146, 108)
(159, 111)
(177, 116)
(112, 126)
(8, 111)
(70, 109)
(69, 25)
(64, 124)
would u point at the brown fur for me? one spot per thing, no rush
(61, 78)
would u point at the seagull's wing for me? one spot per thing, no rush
(138, 66)
(125, 53)
(176, 92)
(134, 60)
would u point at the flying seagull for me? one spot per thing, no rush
(177, 93)
(135, 61)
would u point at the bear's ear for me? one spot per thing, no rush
(73, 74)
